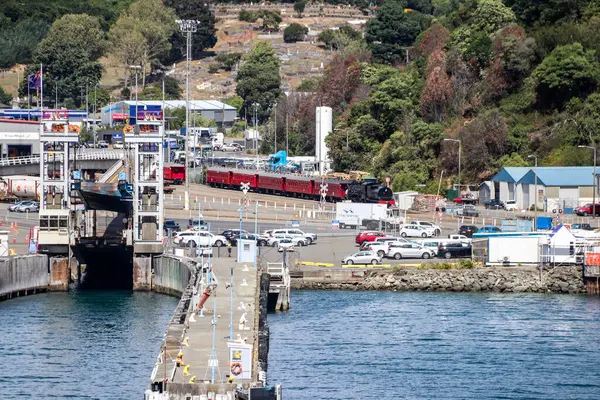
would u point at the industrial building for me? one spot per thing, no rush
(124, 112)
(558, 188)
(19, 138)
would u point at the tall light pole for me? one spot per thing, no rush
(187, 26)
(459, 155)
(536, 192)
(594, 195)
(275, 108)
(256, 105)
(136, 68)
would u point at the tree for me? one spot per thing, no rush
(258, 80)
(248, 16)
(69, 54)
(228, 60)
(203, 38)
(294, 33)
(308, 85)
(299, 7)
(270, 20)
(5, 98)
(391, 31)
(491, 15)
(340, 38)
(569, 71)
(545, 12)
(18, 40)
(172, 88)
(437, 92)
(141, 34)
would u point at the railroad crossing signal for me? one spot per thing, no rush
(324, 188)
(245, 187)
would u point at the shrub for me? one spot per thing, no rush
(294, 33)
(213, 68)
(248, 16)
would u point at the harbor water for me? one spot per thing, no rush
(81, 344)
(416, 345)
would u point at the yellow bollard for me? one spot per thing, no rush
(192, 379)
(186, 370)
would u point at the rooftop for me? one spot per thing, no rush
(560, 176)
(510, 174)
(194, 104)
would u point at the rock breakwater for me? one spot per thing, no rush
(486, 279)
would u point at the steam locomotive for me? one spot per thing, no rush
(334, 190)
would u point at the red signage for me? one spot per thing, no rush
(592, 258)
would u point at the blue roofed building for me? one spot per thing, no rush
(559, 188)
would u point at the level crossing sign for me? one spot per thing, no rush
(245, 187)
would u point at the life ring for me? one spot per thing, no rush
(128, 129)
(236, 368)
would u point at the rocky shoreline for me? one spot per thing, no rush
(485, 279)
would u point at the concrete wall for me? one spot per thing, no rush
(142, 273)
(59, 274)
(20, 275)
(170, 276)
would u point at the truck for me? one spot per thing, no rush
(354, 215)
(174, 174)
(20, 188)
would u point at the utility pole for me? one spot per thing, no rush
(275, 106)
(536, 192)
(187, 26)
(287, 143)
(255, 105)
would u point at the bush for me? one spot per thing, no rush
(248, 16)
(213, 68)
(294, 33)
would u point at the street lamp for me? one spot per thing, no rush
(594, 194)
(256, 105)
(136, 68)
(187, 26)
(275, 109)
(536, 192)
(459, 155)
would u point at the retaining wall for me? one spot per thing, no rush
(28, 274)
(170, 276)
(487, 279)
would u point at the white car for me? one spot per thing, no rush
(229, 147)
(286, 244)
(428, 225)
(381, 248)
(199, 238)
(409, 250)
(456, 236)
(310, 237)
(510, 205)
(415, 231)
(275, 240)
(362, 257)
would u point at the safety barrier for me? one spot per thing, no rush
(86, 156)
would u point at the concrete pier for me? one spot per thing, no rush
(198, 357)
(29, 274)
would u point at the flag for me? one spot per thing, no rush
(34, 81)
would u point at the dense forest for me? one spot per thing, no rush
(511, 80)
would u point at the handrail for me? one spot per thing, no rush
(92, 155)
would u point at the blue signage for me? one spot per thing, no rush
(117, 136)
(295, 224)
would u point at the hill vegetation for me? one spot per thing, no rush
(509, 79)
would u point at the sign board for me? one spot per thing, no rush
(592, 258)
(295, 224)
(240, 360)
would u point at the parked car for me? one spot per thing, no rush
(199, 238)
(466, 199)
(510, 205)
(468, 230)
(493, 204)
(309, 238)
(467, 211)
(368, 236)
(232, 232)
(117, 145)
(296, 240)
(260, 241)
(381, 247)
(586, 210)
(171, 225)
(362, 257)
(429, 225)
(285, 243)
(415, 231)
(102, 144)
(408, 250)
(198, 224)
(489, 229)
(583, 227)
(13, 207)
(229, 147)
(458, 237)
(29, 206)
(240, 147)
(454, 249)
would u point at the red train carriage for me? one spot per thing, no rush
(336, 189)
(299, 186)
(268, 183)
(218, 177)
(241, 176)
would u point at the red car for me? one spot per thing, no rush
(368, 236)
(465, 199)
(586, 210)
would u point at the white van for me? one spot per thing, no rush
(510, 205)
(432, 244)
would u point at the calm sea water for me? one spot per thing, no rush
(81, 344)
(386, 345)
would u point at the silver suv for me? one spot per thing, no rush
(437, 231)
